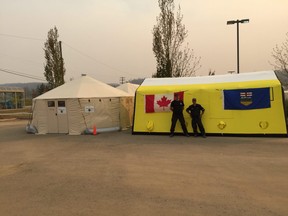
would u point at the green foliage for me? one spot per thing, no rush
(137, 81)
(168, 36)
(54, 68)
(42, 88)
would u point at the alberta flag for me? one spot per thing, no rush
(243, 99)
(160, 102)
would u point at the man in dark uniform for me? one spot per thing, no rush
(196, 111)
(177, 107)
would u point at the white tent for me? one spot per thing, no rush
(129, 103)
(81, 104)
(129, 88)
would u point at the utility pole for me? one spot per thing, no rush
(122, 80)
(60, 45)
(62, 66)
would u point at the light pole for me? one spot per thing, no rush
(231, 22)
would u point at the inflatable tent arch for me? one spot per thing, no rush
(252, 118)
(130, 89)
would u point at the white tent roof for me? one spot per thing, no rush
(228, 78)
(84, 87)
(129, 88)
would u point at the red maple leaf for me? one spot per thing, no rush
(163, 102)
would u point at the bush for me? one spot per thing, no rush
(28, 102)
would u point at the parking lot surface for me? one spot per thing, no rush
(122, 174)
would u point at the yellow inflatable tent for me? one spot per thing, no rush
(237, 104)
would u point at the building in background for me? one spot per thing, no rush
(12, 97)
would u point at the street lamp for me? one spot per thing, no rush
(231, 22)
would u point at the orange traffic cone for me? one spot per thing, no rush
(94, 130)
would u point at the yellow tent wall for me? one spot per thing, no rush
(209, 93)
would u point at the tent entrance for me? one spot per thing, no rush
(57, 116)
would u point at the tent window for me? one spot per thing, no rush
(51, 103)
(61, 103)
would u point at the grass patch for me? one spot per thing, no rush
(24, 113)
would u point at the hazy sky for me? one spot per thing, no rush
(109, 39)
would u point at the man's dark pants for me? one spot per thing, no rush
(196, 121)
(175, 117)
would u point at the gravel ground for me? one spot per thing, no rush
(122, 174)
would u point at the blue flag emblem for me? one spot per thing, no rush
(246, 98)
(243, 99)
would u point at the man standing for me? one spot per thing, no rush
(177, 107)
(196, 111)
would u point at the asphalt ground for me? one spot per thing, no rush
(122, 174)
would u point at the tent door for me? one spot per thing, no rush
(62, 117)
(52, 117)
(57, 117)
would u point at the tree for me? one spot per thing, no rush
(280, 55)
(54, 68)
(41, 89)
(168, 36)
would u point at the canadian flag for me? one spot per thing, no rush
(160, 102)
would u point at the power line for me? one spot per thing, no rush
(99, 62)
(21, 37)
(22, 59)
(83, 54)
(22, 74)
